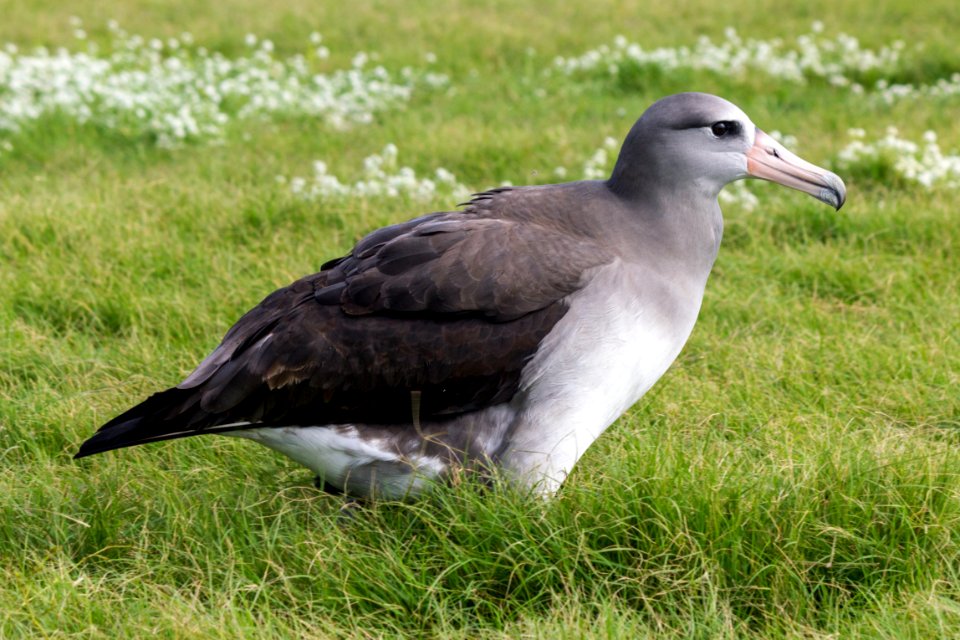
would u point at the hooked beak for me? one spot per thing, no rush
(769, 160)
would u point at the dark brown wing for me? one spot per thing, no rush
(450, 305)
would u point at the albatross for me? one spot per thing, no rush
(507, 335)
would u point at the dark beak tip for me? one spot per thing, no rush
(836, 191)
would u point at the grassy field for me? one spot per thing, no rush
(796, 473)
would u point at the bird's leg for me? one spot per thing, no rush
(415, 411)
(348, 510)
(321, 483)
(350, 504)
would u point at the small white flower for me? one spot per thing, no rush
(430, 57)
(785, 139)
(925, 165)
(738, 194)
(381, 179)
(811, 55)
(148, 88)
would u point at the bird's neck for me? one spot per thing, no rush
(684, 220)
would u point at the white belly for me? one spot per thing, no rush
(606, 352)
(360, 466)
(391, 462)
(618, 338)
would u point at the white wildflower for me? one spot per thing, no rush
(158, 90)
(737, 194)
(381, 178)
(785, 139)
(811, 55)
(924, 164)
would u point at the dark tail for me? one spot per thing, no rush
(174, 413)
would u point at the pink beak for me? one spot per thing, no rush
(769, 160)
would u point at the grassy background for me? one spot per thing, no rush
(795, 474)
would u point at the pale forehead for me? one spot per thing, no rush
(713, 109)
(708, 109)
(688, 110)
(733, 112)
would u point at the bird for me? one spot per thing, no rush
(505, 335)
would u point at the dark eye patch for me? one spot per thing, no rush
(725, 128)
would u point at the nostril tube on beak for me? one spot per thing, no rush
(769, 160)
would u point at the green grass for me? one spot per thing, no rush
(795, 474)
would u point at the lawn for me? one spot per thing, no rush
(795, 474)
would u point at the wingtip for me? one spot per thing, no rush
(89, 447)
(82, 454)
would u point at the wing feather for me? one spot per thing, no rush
(449, 305)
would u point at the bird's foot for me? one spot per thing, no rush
(326, 487)
(348, 512)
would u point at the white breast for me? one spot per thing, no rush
(342, 456)
(620, 335)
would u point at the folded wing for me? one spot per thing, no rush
(448, 308)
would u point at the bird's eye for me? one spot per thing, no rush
(721, 129)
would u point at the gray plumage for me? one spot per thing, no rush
(508, 334)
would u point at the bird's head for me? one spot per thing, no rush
(710, 142)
